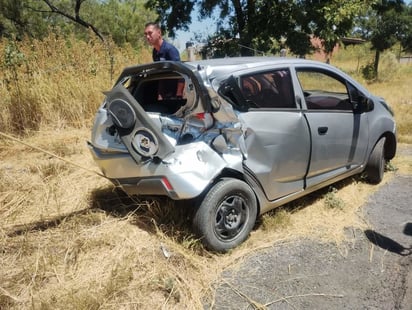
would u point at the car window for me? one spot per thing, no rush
(271, 89)
(323, 91)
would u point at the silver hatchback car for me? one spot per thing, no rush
(238, 136)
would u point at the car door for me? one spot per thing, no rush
(339, 134)
(276, 132)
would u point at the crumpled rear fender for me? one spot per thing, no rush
(188, 171)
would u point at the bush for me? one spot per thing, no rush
(387, 69)
(332, 201)
(368, 71)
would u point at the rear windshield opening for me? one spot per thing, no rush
(165, 94)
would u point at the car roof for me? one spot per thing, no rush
(227, 65)
(247, 61)
(223, 66)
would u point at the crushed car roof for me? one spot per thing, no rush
(222, 65)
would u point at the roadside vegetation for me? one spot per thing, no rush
(70, 240)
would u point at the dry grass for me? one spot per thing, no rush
(393, 84)
(57, 82)
(70, 240)
(403, 160)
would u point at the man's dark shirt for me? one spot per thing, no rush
(166, 88)
(167, 52)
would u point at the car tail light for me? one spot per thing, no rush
(200, 116)
(167, 184)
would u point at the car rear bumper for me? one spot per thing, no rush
(182, 175)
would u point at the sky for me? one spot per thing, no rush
(205, 28)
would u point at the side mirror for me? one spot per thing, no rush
(363, 104)
(360, 102)
(367, 104)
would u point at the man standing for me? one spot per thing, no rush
(162, 50)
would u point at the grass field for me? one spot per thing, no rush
(70, 240)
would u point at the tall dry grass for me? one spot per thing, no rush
(57, 82)
(70, 240)
(393, 83)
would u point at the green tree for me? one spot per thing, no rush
(63, 10)
(283, 22)
(332, 20)
(386, 23)
(35, 18)
(123, 21)
(17, 20)
(405, 35)
(256, 25)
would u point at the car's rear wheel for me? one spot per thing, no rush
(226, 215)
(376, 163)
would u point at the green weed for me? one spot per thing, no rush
(332, 201)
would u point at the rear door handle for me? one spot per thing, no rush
(322, 130)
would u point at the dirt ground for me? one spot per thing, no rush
(371, 270)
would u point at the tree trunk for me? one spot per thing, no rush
(376, 64)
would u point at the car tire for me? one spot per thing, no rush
(376, 163)
(226, 215)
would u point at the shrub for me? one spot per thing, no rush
(332, 201)
(368, 71)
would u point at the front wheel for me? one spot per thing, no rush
(226, 215)
(376, 163)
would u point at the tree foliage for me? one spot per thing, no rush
(73, 17)
(384, 24)
(18, 20)
(335, 20)
(405, 31)
(123, 21)
(256, 25)
(243, 27)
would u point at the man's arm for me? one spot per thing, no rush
(173, 53)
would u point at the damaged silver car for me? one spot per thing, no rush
(241, 137)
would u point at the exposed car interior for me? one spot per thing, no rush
(269, 89)
(162, 94)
